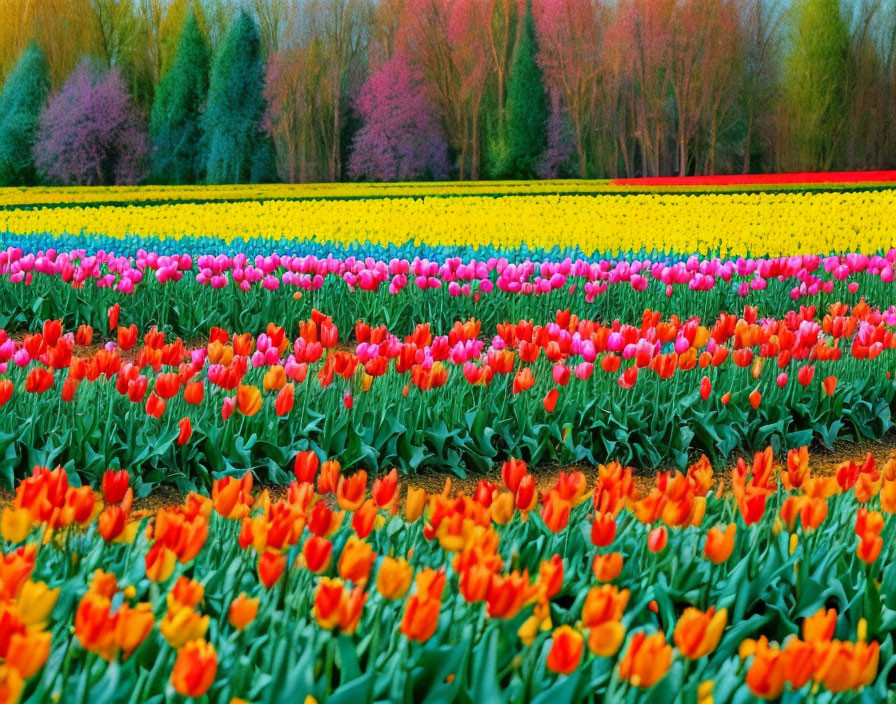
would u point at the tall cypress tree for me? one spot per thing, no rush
(238, 150)
(527, 109)
(175, 125)
(21, 101)
(816, 94)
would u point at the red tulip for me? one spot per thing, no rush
(657, 539)
(115, 485)
(6, 389)
(285, 401)
(705, 388)
(155, 406)
(186, 431)
(306, 465)
(567, 646)
(804, 375)
(38, 380)
(270, 566)
(112, 314)
(603, 529)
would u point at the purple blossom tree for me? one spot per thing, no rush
(90, 133)
(401, 139)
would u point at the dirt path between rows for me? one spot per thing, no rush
(822, 462)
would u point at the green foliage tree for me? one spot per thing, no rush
(527, 110)
(816, 99)
(237, 148)
(175, 125)
(21, 102)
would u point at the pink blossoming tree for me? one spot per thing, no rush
(90, 133)
(401, 139)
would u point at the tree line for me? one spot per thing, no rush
(232, 91)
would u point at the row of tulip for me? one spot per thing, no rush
(184, 292)
(53, 195)
(569, 390)
(783, 223)
(345, 592)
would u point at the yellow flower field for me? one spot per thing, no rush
(756, 223)
(67, 195)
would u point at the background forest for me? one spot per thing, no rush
(233, 91)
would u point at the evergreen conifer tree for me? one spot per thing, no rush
(175, 125)
(527, 109)
(21, 102)
(237, 148)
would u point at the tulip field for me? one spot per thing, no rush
(227, 415)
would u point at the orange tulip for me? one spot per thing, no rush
(605, 639)
(185, 592)
(248, 400)
(195, 668)
(231, 497)
(242, 611)
(607, 567)
(274, 378)
(567, 645)
(474, 582)
(421, 617)
(356, 560)
(414, 503)
(841, 667)
(25, 650)
(182, 624)
(15, 524)
(334, 605)
(350, 491)
(798, 661)
(393, 580)
(819, 627)
(11, 685)
(523, 381)
(604, 604)
(755, 399)
(647, 659)
(555, 512)
(719, 545)
(550, 577)
(507, 594)
(160, 561)
(766, 675)
(697, 633)
(329, 477)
